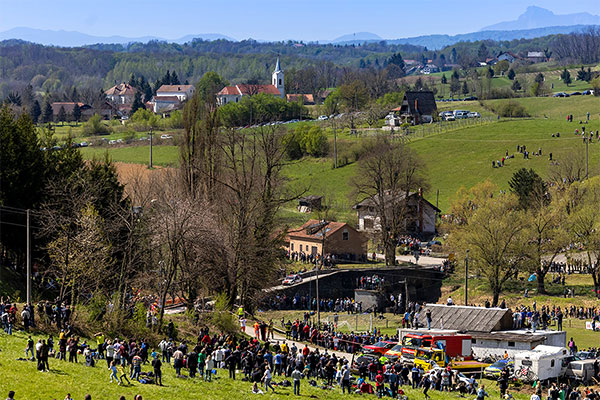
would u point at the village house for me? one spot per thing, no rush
(430, 69)
(233, 94)
(417, 107)
(508, 56)
(338, 239)
(420, 215)
(307, 99)
(536, 56)
(121, 96)
(86, 110)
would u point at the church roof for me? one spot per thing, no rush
(277, 66)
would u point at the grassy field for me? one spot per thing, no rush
(78, 380)
(461, 157)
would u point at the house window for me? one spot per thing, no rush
(280, 82)
(511, 344)
(292, 246)
(345, 235)
(551, 363)
(300, 247)
(314, 251)
(473, 341)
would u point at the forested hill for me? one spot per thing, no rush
(52, 69)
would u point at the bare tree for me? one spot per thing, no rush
(387, 177)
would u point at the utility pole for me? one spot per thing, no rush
(467, 278)
(150, 164)
(28, 260)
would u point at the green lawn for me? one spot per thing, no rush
(78, 380)
(161, 154)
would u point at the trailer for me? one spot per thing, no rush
(541, 363)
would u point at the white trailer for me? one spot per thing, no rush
(541, 363)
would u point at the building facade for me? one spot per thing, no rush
(233, 94)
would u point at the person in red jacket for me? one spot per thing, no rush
(379, 384)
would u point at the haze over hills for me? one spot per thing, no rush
(537, 17)
(74, 39)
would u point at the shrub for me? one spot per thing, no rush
(94, 126)
(222, 318)
(512, 109)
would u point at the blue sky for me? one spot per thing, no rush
(270, 19)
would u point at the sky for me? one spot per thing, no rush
(308, 20)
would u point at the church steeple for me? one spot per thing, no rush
(278, 79)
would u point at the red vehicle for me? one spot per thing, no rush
(453, 345)
(379, 347)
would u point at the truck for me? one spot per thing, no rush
(430, 358)
(454, 345)
(541, 363)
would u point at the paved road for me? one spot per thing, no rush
(309, 279)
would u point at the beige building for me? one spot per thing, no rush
(340, 240)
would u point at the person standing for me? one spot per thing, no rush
(297, 378)
(157, 365)
(267, 379)
(428, 316)
(113, 372)
(210, 365)
(346, 379)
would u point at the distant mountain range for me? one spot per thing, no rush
(537, 17)
(534, 22)
(75, 39)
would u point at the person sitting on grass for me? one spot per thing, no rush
(256, 390)
(11, 395)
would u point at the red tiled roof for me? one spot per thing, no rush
(175, 88)
(122, 89)
(302, 232)
(306, 98)
(246, 90)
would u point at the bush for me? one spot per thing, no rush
(222, 318)
(512, 109)
(94, 126)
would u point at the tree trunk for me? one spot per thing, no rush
(390, 253)
(541, 275)
(495, 298)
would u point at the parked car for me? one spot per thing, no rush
(292, 279)
(470, 98)
(494, 370)
(587, 92)
(581, 371)
(585, 355)
(379, 347)
(473, 114)
(575, 94)
(460, 114)
(323, 117)
(166, 137)
(84, 144)
(560, 94)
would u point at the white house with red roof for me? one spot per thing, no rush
(233, 94)
(171, 97)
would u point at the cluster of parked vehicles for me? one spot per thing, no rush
(435, 351)
(563, 94)
(458, 114)
(470, 98)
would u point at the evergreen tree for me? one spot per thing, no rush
(166, 80)
(581, 74)
(444, 79)
(62, 115)
(132, 81)
(516, 85)
(396, 59)
(539, 78)
(35, 111)
(48, 114)
(489, 73)
(74, 95)
(465, 88)
(482, 52)
(453, 55)
(137, 102)
(156, 86)
(566, 77)
(528, 186)
(442, 60)
(175, 79)
(511, 74)
(76, 113)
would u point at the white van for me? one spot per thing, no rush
(460, 114)
(541, 363)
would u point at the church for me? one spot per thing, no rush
(234, 94)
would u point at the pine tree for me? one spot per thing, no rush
(166, 79)
(465, 88)
(48, 113)
(76, 113)
(175, 79)
(581, 74)
(132, 81)
(539, 78)
(511, 74)
(62, 115)
(35, 111)
(516, 85)
(444, 79)
(396, 59)
(566, 77)
(137, 102)
(482, 53)
(156, 86)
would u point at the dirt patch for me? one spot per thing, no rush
(138, 179)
